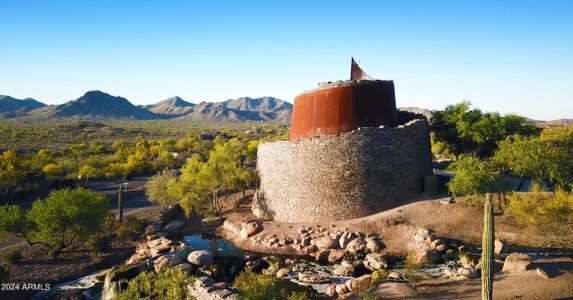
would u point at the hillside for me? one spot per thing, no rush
(95, 105)
(267, 109)
(171, 106)
(12, 107)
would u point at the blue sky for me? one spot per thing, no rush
(507, 56)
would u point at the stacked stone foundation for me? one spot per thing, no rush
(351, 175)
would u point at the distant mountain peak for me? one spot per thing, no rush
(12, 107)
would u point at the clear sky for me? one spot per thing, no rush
(507, 56)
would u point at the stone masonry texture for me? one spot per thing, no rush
(351, 175)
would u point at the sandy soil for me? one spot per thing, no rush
(456, 221)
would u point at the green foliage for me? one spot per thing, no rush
(475, 177)
(257, 287)
(378, 277)
(131, 228)
(542, 208)
(168, 283)
(254, 286)
(540, 159)
(487, 250)
(11, 171)
(412, 271)
(470, 131)
(157, 187)
(368, 297)
(64, 217)
(12, 220)
(205, 184)
(12, 256)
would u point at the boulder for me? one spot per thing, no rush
(421, 235)
(200, 258)
(166, 261)
(516, 262)
(250, 229)
(305, 241)
(355, 284)
(346, 238)
(185, 267)
(322, 255)
(326, 242)
(313, 278)
(498, 246)
(357, 245)
(468, 272)
(343, 270)
(331, 290)
(336, 255)
(374, 244)
(155, 251)
(375, 261)
(173, 225)
(342, 289)
(425, 256)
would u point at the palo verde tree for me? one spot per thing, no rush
(205, 184)
(64, 217)
(157, 188)
(10, 170)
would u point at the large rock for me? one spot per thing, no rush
(322, 255)
(172, 226)
(356, 284)
(166, 261)
(374, 244)
(343, 270)
(346, 238)
(250, 229)
(426, 256)
(326, 242)
(200, 258)
(468, 272)
(375, 261)
(336, 255)
(516, 262)
(356, 245)
(313, 278)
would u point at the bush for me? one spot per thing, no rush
(12, 256)
(131, 228)
(169, 283)
(267, 287)
(541, 208)
(412, 271)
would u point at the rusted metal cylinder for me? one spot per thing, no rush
(338, 107)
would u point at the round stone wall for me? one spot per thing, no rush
(352, 175)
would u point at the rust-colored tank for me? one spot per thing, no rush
(343, 106)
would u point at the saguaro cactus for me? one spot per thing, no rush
(487, 250)
(119, 205)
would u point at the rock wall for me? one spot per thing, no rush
(351, 175)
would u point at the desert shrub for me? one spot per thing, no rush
(257, 287)
(169, 283)
(541, 208)
(98, 243)
(4, 274)
(474, 177)
(130, 229)
(378, 276)
(12, 256)
(412, 271)
(267, 287)
(368, 297)
(156, 188)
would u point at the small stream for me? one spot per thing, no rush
(92, 285)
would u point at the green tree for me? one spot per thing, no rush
(536, 159)
(475, 177)
(206, 184)
(64, 217)
(157, 188)
(470, 131)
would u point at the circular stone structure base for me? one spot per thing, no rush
(351, 175)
